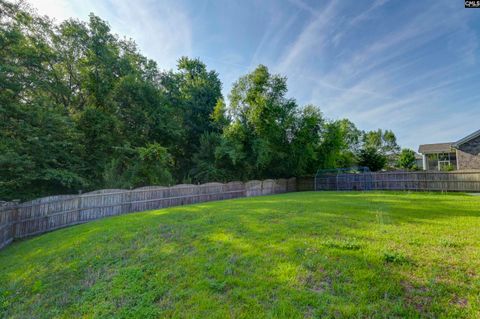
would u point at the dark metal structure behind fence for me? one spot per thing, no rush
(331, 178)
(18, 220)
(398, 180)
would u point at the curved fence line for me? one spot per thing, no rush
(19, 220)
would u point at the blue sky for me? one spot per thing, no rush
(411, 66)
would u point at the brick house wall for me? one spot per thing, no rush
(468, 154)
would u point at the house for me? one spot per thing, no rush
(461, 155)
(419, 160)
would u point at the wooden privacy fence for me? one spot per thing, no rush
(411, 181)
(18, 220)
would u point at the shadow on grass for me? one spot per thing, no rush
(298, 255)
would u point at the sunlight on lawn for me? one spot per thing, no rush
(288, 256)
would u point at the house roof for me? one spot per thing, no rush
(435, 148)
(467, 139)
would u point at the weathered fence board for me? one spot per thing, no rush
(8, 215)
(53, 212)
(411, 181)
(253, 188)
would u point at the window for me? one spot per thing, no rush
(442, 161)
(447, 161)
(444, 157)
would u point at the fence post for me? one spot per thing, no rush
(79, 206)
(426, 181)
(15, 218)
(129, 198)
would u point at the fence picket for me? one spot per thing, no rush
(406, 181)
(53, 212)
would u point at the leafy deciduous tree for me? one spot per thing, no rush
(407, 159)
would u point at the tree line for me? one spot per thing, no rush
(82, 109)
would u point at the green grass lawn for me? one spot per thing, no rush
(299, 255)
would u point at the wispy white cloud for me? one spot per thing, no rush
(272, 37)
(421, 29)
(58, 9)
(379, 63)
(375, 85)
(305, 6)
(163, 32)
(312, 38)
(358, 19)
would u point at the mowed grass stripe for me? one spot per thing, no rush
(298, 255)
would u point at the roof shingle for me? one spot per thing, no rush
(435, 148)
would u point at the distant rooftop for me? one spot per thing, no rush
(446, 147)
(466, 139)
(435, 148)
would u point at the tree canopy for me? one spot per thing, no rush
(407, 159)
(82, 109)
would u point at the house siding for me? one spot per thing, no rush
(468, 154)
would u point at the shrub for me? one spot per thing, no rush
(407, 159)
(372, 158)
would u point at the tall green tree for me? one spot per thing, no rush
(193, 92)
(70, 94)
(407, 159)
(304, 155)
(206, 166)
(39, 151)
(372, 158)
(81, 108)
(100, 134)
(257, 143)
(383, 141)
(142, 166)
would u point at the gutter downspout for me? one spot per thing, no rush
(458, 162)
